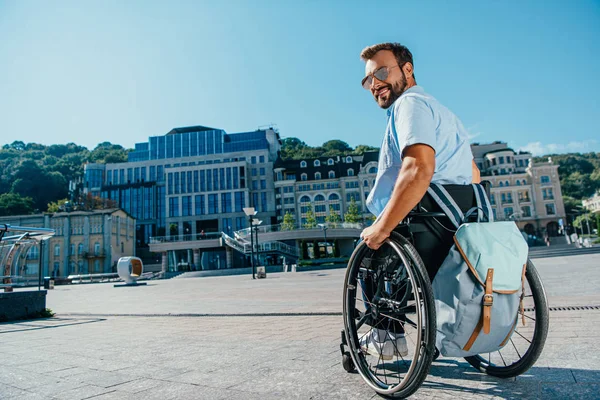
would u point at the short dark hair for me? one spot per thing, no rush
(402, 54)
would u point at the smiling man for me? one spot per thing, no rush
(424, 142)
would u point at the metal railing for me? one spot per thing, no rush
(184, 238)
(245, 233)
(245, 248)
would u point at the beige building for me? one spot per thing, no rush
(526, 192)
(593, 203)
(85, 242)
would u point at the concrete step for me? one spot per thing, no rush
(562, 252)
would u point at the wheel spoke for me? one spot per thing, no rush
(515, 347)
(528, 341)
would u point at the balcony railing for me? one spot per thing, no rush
(184, 238)
(94, 254)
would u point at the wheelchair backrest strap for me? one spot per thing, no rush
(446, 203)
(451, 209)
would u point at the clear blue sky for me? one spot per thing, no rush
(91, 71)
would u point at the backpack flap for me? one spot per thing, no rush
(494, 245)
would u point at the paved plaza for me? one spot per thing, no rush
(277, 338)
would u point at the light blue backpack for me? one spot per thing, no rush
(479, 287)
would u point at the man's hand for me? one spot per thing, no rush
(375, 235)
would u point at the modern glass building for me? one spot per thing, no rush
(192, 180)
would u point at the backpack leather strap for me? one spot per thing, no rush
(488, 301)
(486, 315)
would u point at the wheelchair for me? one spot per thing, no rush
(400, 294)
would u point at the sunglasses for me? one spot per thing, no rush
(381, 74)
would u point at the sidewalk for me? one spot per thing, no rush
(157, 356)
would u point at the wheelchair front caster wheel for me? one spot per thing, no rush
(347, 362)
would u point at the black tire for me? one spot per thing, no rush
(347, 362)
(423, 307)
(536, 345)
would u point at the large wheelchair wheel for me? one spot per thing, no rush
(527, 342)
(388, 290)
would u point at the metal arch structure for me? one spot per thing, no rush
(15, 243)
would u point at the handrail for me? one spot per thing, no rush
(184, 238)
(242, 233)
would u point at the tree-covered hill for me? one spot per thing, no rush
(33, 175)
(579, 176)
(295, 149)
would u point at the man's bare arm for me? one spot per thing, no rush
(476, 174)
(418, 166)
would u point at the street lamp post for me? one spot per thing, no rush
(257, 222)
(324, 227)
(251, 212)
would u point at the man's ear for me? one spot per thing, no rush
(408, 70)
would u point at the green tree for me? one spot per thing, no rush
(578, 185)
(336, 148)
(14, 204)
(288, 224)
(362, 148)
(571, 204)
(353, 214)
(583, 221)
(56, 206)
(333, 216)
(311, 221)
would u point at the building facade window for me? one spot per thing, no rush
(317, 163)
(317, 175)
(302, 164)
(240, 201)
(186, 206)
(56, 250)
(173, 206)
(331, 174)
(330, 161)
(199, 204)
(303, 177)
(350, 172)
(213, 206)
(550, 209)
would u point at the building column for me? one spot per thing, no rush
(165, 262)
(197, 259)
(229, 257)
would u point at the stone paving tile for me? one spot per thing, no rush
(176, 390)
(45, 367)
(58, 387)
(586, 376)
(102, 378)
(137, 385)
(24, 379)
(564, 391)
(116, 395)
(83, 392)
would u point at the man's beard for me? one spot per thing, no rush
(395, 90)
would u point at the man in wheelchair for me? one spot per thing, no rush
(424, 142)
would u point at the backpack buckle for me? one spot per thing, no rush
(488, 300)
